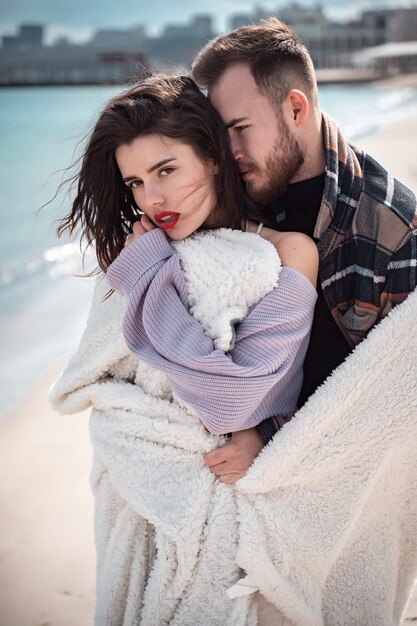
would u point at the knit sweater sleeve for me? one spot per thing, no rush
(232, 391)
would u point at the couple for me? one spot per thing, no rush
(218, 322)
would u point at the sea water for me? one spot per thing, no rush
(43, 305)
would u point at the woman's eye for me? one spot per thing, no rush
(239, 129)
(166, 171)
(135, 184)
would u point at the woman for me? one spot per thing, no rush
(220, 330)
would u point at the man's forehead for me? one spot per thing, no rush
(235, 78)
(231, 109)
(238, 108)
(234, 93)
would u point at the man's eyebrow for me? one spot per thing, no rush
(234, 121)
(151, 169)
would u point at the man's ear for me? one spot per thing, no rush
(297, 107)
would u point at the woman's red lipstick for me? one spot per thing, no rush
(166, 219)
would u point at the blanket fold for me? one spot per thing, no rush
(324, 523)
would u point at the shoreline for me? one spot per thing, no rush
(356, 76)
(47, 564)
(392, 146)
(325, 76)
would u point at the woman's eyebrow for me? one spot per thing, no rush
(151, 169)
(160, 164)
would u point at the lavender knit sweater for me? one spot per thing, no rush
(259, 377)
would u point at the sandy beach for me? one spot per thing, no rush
(47, 562)
(46, 523)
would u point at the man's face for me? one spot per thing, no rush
(267, 153)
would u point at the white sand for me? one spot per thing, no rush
(46, 523)
(395, 148)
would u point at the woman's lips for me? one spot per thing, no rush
(166, 219)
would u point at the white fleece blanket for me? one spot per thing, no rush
(325, 522)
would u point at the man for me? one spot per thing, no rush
(295, 162)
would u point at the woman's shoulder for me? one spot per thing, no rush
(295, 250)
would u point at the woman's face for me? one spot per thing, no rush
(169, 182)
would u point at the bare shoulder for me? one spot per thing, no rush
(295, 250)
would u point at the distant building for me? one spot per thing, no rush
(119, 56)
(394, 25)
(64, 64)
(178, 44)
(112, 56)
(132, 39)
(329, 43)
(333, 44)
(395, 43)
(390, 58)
(242, 19)
(29, 36)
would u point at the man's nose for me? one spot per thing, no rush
(236, 149)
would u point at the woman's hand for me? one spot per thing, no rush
(232, 460)
(144, 225)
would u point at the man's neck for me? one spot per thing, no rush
(315, 157)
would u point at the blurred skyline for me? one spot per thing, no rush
(78, 19)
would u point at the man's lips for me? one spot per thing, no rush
(245, 174)
(166, 219)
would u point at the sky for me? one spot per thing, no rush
(79, 18)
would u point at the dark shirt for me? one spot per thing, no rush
(297, 210)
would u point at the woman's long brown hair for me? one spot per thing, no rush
(104, 209)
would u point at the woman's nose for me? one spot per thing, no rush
(153, 197)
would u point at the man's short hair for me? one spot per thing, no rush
(277, 58)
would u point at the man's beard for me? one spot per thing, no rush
(283, 163)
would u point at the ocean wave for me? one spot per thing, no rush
(68, 259)
(64, 260)
(390, 100)
(389, 108)
(362, 109)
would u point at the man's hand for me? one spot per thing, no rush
(232, 461)
(144, 225)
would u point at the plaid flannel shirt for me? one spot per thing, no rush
(367, 241)
(367, 232)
